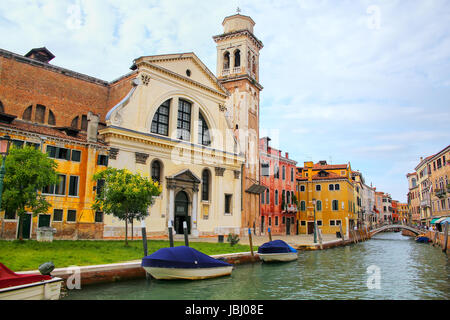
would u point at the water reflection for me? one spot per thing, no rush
(408, 270)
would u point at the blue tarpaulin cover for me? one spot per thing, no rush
(181, 257)
(276, 246)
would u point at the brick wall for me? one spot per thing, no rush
(67, 94)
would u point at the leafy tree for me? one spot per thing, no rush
(27, 171)
(125, 195)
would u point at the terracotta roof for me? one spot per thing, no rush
(45, 130)
(318, 166)
(329, 176)
(439, 153)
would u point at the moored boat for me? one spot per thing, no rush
(183, 262)
(15, 286)
(277, 250)
(422, 239)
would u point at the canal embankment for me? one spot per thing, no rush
(106, 273)
(437, 238)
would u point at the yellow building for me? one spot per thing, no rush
(331, 187)
(79, 156)
(358, 182)
(403, 212)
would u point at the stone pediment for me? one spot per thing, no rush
(187, 66)
(185, 176)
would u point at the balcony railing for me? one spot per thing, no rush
(228, 71)
(440, 193)
(291, 208)
(425, 203)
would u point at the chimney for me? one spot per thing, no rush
(287, 155)
(92, 128)
(40, 54)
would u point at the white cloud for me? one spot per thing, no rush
(333, 85)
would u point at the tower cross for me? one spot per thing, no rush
(238, 10)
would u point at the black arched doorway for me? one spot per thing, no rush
(182, 212)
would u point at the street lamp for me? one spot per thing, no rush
(315, 227)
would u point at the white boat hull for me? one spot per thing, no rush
(188, 273)
(43, 290)
(284, 257)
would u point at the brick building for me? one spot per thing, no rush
(60, 112)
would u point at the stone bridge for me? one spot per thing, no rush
(394, 226)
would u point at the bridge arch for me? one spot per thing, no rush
(394, 226)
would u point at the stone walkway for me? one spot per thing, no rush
(294, 240)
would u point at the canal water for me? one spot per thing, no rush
(389, 266)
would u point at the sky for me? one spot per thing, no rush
(365, 82)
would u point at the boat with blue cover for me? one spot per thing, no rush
(183, 262)
(423, 239)
(277, 250)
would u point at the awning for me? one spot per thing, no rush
(439, 220)
(256, 188)
(445, 220)
(434, 220)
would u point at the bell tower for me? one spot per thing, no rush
(238, 71)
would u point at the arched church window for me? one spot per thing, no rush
(203, 131)
(237, 58)
(205, 185)
(74, 123)
(40, 113)
(27, 113)
(226, 60)
(160, 123)
(51, 118)
(254, 65)
(184, 120)
(156, 171)
(84, 122)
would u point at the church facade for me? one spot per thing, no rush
(196, 134)
(171, 119)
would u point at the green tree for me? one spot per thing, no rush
(125, 195)
(28, 170)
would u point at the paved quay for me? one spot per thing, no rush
(297, 241)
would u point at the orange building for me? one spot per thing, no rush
(78, 156)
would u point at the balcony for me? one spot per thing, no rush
(237, 70)
(225, 72)
(291, 208)
(425, 203)
(440, 193)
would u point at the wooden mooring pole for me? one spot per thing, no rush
(444, 249)
(342, 232)
(170, 234)
(270, 234)
(250, 239)
(320, 237)
(185, 230)
(144, 242)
